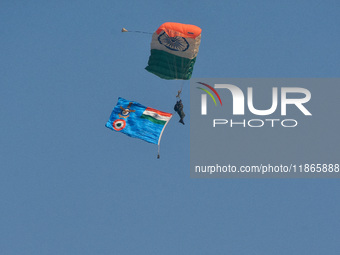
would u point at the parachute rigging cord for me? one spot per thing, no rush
(179, 93)
(136, 31)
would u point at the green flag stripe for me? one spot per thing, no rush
(169, 66)
(161, 122)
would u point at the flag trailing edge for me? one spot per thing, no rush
(138, 121)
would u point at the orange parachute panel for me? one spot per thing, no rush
(178, 29)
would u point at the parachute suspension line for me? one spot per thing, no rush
(180, 90)
(142, 32)
(182, 85)
(136, 31)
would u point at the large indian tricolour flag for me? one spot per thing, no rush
(138, 121)
(174, 47)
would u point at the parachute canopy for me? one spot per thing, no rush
(174, 48)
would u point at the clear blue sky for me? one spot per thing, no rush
(68, 185)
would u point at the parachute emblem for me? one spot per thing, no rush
(176, 43)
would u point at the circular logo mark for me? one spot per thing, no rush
(119, 124)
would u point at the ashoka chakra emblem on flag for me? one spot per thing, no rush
(119, 124)
(176, 43)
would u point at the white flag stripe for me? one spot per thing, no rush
(190, 53)
(156, 116)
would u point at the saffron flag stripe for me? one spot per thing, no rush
(178, 29)
(157, 114)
